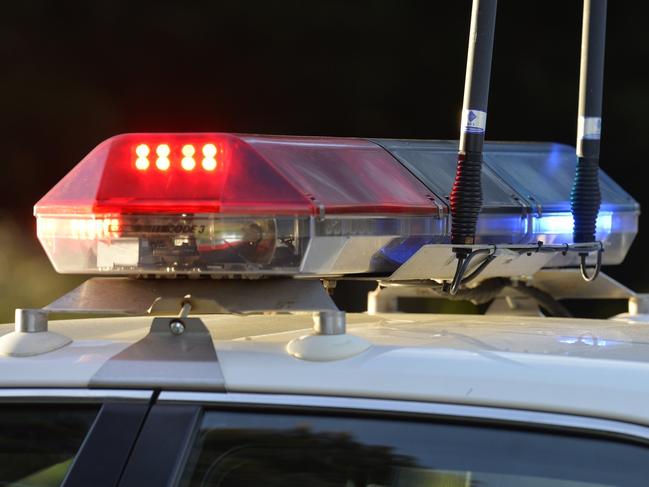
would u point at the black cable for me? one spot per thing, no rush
(464, 259)
(490, 289)
(544, 300)
(486, 291)
(459, 273)
(478, 270)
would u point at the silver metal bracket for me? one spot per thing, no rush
(176, 297)
(174, 349)
(438, 261)
(568, 284)
(125, 296)
(559, 283)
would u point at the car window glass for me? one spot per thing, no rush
(38, 442)
(233, 449)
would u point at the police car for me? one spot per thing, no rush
(236, 368)
(224, 360)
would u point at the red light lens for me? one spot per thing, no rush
(150, 173)
(221, 204)
(221, 173)
(346, 175)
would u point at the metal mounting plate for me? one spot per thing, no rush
(439, 262)
(126, 296)
(568, 284)
(559, 283)
(165, 359)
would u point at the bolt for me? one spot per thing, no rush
(177, 327)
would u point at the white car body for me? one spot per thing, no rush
(587, 368)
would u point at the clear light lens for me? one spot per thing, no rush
(173, 244)
(88, 227)
(210, 244)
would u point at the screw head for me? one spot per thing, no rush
(177, 327)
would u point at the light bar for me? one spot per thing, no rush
(219, 204)
(237, 205)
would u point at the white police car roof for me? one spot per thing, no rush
(596, 368)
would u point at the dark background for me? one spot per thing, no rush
(75, 73)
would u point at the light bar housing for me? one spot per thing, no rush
(266, 205)
(224, 205)
(526, 191)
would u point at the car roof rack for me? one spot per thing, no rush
(180, 297)
(127, 296)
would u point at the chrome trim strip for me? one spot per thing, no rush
(70, 395)
(523, 417)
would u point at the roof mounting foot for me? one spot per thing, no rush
(329, 323)
(639, 305)
(31, 336)
(329, 340)
(514, 306)
(383, 300)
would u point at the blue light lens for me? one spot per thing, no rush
(561, 224)
(400, 250)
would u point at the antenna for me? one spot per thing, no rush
(585, 198)
(466, 196)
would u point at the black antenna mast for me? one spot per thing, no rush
(466, 196)
(585, 198)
